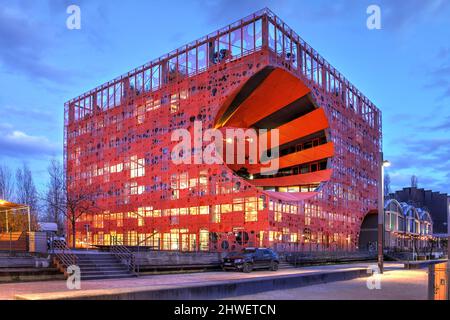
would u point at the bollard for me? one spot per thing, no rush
(438, 288)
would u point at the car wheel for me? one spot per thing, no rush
(247, 268)
(273, 266)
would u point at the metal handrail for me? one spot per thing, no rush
(125, 255)
(138, 248)
(64, 254)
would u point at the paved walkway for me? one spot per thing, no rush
(8, 291)
(395, 285)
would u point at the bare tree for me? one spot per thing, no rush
(26, 191)
(73, 204)
(54, 196)
(77, 204)
(414, 181)
(6, 183)
(387, 184)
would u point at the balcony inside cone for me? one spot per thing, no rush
(276, 99)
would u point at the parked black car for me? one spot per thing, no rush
(251, 258)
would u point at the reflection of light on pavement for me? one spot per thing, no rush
(392, 275)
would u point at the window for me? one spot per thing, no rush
(226, 208)
(183, 181)
(249, 37)
(204, 240)
(238, 205)
(120, 219)
(192, 61)
(304, 168)
(202, 57)
(174, 104)
(215, 216)
(156, 72)
(137, 167)
(140, 114)
(271, 36)
(135, 189)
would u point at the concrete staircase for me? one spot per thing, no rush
(101, 265)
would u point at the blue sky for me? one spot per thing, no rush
(404, 68)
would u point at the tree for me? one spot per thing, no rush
(414, 181)
(26, 191)
(6, 183)
(432, 243)
(387, 184)
(73, 204)
(54, 196)
(77, 204)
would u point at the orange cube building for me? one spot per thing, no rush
(255, 73)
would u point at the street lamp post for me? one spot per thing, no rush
(383, 164)
(448, 252)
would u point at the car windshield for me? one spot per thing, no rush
(247, 250)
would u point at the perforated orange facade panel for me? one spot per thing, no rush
(118, 144)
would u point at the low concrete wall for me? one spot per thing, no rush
(421, 264)
(151, 259)
(17, 262)
(24, 261)
(209, 291)
(25, 275)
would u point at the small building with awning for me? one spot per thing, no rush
(15, 223)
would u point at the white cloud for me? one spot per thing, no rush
(18, 144)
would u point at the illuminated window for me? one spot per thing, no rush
(278, 216)
(226, 208)
(251, 213)
(171, 240)
(120, 219)
(133, 188)
(148, 211)
(204, 210)
(293, 237)
(132, 238)
(204, 240)
(192, 183)
(156, 213)
(193, 211)
(183, 181)
(238, 205)
(174, 104)
(203, 181)
(140, 114)
(261, 204)
(137, 167)
(215, 215)
(183, 94)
